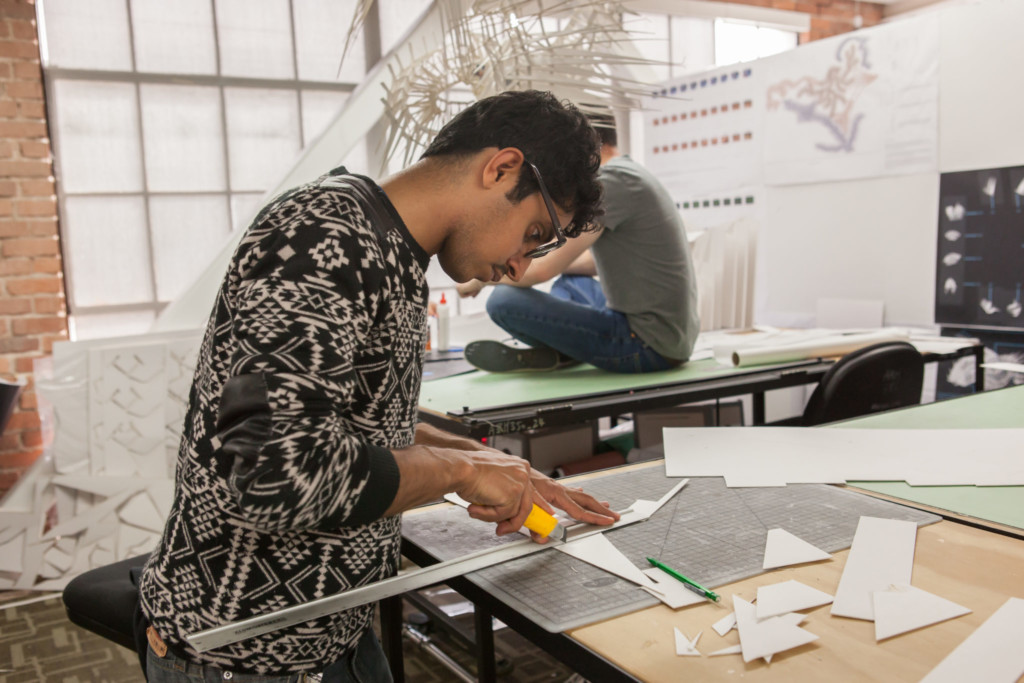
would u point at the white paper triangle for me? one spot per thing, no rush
(725, 624)
(671, 590)
(782, 549)
(788, 596)
(686, 647)
(599, 551)
(732, 650)
(904, 608)
(765, 638)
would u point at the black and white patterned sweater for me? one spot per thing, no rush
(309, 372)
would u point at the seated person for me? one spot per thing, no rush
(640, 317)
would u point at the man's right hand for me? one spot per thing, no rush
(498, 487)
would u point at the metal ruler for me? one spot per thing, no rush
(236, 631)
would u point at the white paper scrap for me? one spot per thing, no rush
(773, 456)
(992, 653)
(599, 551)
(882, 554)
(725, 624)
(732, 650)
(766, 637)
(782, 549)
(906, 608)
(1008, 367)
(671, 590)
(686, 647)
(788, 596)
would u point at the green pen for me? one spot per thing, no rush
(689, 583)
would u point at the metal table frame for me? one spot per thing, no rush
(483, 422)
(514, 418)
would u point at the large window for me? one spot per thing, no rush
(170, 120)
(737, 41)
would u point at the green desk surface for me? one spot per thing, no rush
(1003, 408)
(480, 390)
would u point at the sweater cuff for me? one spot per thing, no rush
(380, 489)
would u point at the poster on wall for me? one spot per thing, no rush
(979, 266)
(702, 133)
(854, 106)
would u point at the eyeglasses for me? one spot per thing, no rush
(559, 235)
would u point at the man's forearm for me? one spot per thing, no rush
(426, 474)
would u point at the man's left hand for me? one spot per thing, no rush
(581, 506)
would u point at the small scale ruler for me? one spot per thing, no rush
(219, 636)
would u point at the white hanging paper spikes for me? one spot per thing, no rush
(782, 549)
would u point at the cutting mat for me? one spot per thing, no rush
(709, 532)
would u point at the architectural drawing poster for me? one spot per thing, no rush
(702, 133)
(854, 106)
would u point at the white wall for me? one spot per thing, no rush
(981, 98)
(876, 238)
(864, 239)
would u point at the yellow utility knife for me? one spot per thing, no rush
(540, 522)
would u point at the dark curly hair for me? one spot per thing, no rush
(554, 136)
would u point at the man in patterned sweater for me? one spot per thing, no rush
(300, 446)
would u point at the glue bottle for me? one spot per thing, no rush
(443, 317)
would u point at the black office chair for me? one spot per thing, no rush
(876, 378)
(105, 600)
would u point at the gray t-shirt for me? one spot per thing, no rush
(643, 259)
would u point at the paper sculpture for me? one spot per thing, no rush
(117, 408)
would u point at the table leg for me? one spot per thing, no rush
(391, 635)
(758, 406)
(979, 372)
(487, 671)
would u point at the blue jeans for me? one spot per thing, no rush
(366, 664)
(575, 320)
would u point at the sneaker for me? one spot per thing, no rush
(494, 356)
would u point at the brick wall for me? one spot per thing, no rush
(828, 17)
(32, 312)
